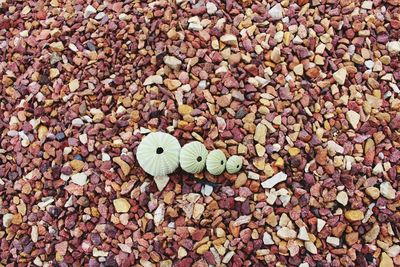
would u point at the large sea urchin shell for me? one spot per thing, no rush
(158, 153)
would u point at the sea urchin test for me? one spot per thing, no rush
(158, 153)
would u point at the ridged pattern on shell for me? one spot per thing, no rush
(158, 164)
(216, 161)
(234, 164)
(189, 156)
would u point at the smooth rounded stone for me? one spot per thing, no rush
(393, 47)
(373, 192)
(354, 215)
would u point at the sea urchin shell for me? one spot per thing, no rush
(158, 153)
(193, 157)
(216, 161)
(234, 164)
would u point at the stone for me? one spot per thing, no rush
(229, 39)
(89, 10)
(172, 62)
(373, 192)
(386, 261)
(79, 178)
(276, 55)
(73, 85)
(299, 69)
(203, 248)
(54, 73)
(126, 169)
(277, 178)
(195, 24)
(354, 215)
(387, 190)
(286, 233)
(211, 8)
(57, 46)
(310, 247)
(372, 234)
(393, 47)
(42, 132)
(303, 235)
(267, 239)
(121, 205)
(334, 241)
(7, 219)
(161, 182)
(153, 79)
(77, 165)
(353, 118)
(320, 224)
(342, 198)
(340, 76)
(293, 151)
(260, 134)
(276, 12)
(172, 84)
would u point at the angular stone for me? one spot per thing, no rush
(372, 234)
(260, 134)
(153, 79)
(89, 10)
(123, 165)
(79, 178)
(276, 12)
(211, 8)
(286, 233)
(73, 85)
(57, 46)
(276, 55)
(7, 219)
(353, 118)
(387, 190)
(340, 76)
(161, 182)
(393, 47)
(334, 241)
(277, 178)
(386, 261)
(310, 247)
(229, 39)
(121, 205)
(172, 62)
(342, 198)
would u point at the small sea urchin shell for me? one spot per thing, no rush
(234, 164)
(158, 153)
(216, 161)
(193, 157)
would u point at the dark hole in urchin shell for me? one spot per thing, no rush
(159, 150)
(238, 166)
(199, 158)
(222, 162)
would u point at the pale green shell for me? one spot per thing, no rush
(158, 153)
(216, 161)
(234, 164)
(193, 157)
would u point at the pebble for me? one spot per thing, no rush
(276, 12)
(354, 215)
(340, 76)
(89, 10)
(373, 192)
(372, 234)
(153, 79)
(172, 62)
(353, 118)
(229, 39)
(211, 8)
(7, 219)
(286, 233)
(161, 182)
(73, 85)
(121, 205)
(260, 134)
(79, 178)
(387, 190)
(126, 169)
(386, 261)
(342, 198)
(274, 180)
(393, 47)
(310, 247)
